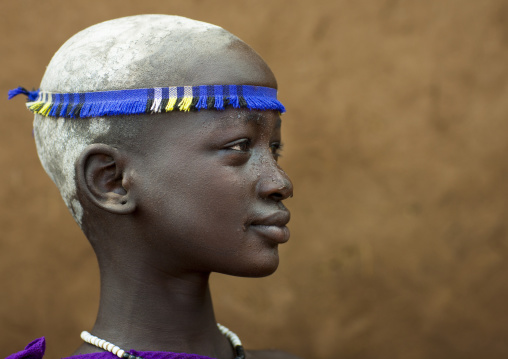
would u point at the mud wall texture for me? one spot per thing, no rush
(396, 139)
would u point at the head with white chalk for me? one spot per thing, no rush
(166, 130)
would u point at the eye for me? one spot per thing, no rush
(276, 149)
(242, 145)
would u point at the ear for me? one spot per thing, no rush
(101, 177)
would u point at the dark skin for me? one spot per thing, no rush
(199, 193)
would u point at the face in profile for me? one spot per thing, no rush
(211, 192)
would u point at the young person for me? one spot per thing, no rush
(162, 135)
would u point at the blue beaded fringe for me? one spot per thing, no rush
(152, 100)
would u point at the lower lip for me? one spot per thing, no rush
(275, 233)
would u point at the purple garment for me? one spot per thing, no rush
(35, 350)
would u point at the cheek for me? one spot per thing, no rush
(207, 201)
(221, 198)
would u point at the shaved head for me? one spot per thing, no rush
(152, 51)
(143, 51)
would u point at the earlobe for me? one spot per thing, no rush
(101, 177)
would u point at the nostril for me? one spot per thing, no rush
(277, 196)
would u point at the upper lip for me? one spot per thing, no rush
(279, 219)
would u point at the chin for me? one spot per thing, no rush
(256, 269)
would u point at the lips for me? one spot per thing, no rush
(272, 226)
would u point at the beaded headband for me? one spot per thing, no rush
(151, 100)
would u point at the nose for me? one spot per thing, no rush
(274, 183)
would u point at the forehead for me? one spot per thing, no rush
(243, 117)
(180, 128)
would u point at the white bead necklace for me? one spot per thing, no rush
(122, 354)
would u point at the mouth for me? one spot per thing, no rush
(272, 226)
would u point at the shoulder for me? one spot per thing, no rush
(269, 354)
(34, 350)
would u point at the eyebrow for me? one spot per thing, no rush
(256, 116)
(250, 116)
(253, 116)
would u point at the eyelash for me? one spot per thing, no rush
(244, 145)
(276, 149)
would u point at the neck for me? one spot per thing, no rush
(144, 309)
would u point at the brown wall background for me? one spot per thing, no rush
(396, 140)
